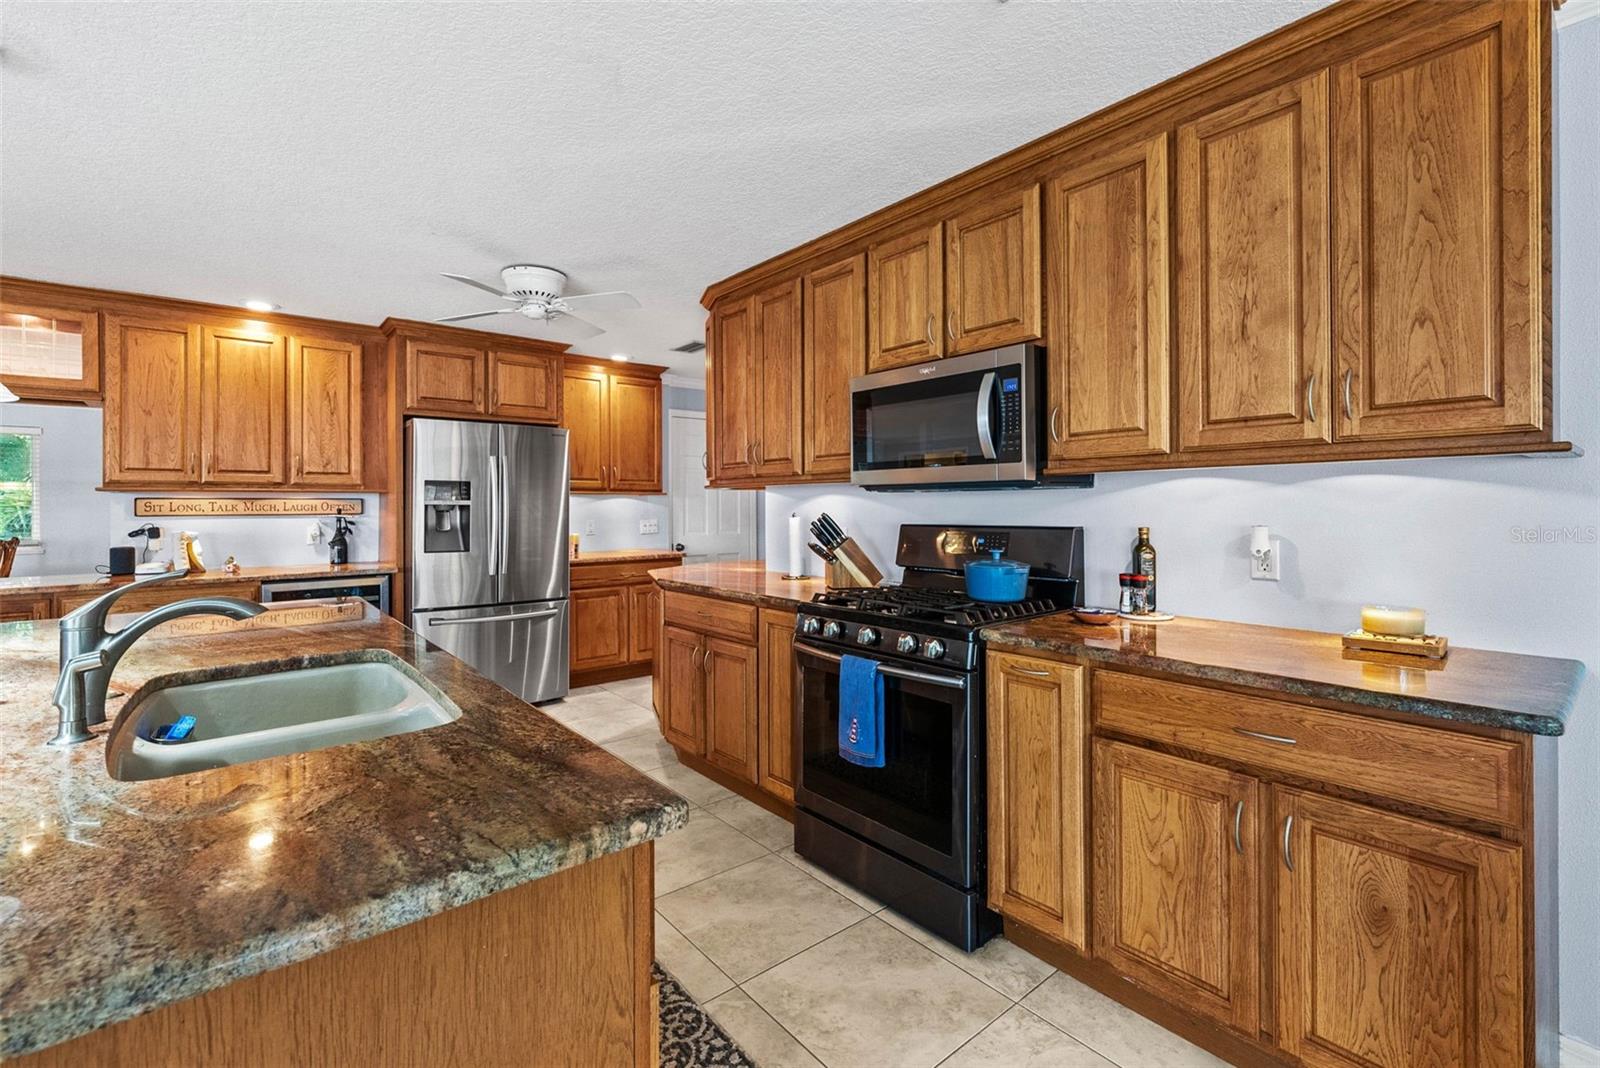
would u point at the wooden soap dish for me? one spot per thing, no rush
(1430, 646)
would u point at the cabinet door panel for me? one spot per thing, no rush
(732, 355)
(1038, 795)
(1109, 283)
(775, 381)
(644, 620)
(599, 628)
(730, 707)
(243, 408)
(992, 272)
(1399, 941)
(1440, 271)
(905, 299)
(152, 402)
(835, 340)
(324, 413)
(585, 415)
(635, 422)
(777, 702)
(681, 701)
(1176, 874)
(49, 352)
(525, 386)
(447, 379)
(1253, 291)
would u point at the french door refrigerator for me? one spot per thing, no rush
(488, 577)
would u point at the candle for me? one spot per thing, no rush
(1388, 619)
(797, 562)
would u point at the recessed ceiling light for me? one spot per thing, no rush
(261, 305)
(621, 357)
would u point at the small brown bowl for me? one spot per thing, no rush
(1095, 617)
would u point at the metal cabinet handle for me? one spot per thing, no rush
(932, 341)
(1238, 819)
(1311, 397)
(950, 324)
(1280, 739)
(704, 466)
(194, 461)
(1036, 673)
(705, 662)
(692, 665)
(1055, 433)
(1348, 375)
(1288, 855)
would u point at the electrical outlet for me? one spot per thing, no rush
(313, 533)
(1266, 567)
(649, 526)
(588, 529)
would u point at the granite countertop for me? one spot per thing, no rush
(1532, 694)
(120, 897)
(624, 556)
(748, 581)
(42, 584)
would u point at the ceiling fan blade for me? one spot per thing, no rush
(476, 315)
(613, 301)
(570, 327)
(481, 285)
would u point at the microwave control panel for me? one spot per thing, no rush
(1009, 444)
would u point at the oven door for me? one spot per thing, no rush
(920, 804)
(965, 419)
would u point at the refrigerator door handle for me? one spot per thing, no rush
(441, 621)
(494, 515)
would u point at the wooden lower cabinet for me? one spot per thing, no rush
(616, 614)
(730, 707)
(160, 594)
(20, 608)
(599, 628)
(644, 621)
(775, 728)
(1399, 941)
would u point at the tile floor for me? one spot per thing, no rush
(804, 971)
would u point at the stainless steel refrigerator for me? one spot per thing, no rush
(488, 577)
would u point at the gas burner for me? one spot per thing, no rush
(922, 604)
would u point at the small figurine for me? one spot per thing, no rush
(230, 566)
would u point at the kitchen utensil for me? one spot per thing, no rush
(820, 551)
(835, 533)
(1097, 617)
(996, 579)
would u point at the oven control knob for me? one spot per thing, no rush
(906, 643)
(867, 636)
(810, 625)
(933, 649)
(831, 629)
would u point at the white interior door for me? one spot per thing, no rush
(707, 524)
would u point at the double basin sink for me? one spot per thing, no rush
(252, 717)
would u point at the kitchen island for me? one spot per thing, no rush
(465, 893)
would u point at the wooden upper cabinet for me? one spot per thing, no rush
(1440, 243)
(732, 356)
(1038, 795)
(1399, 942)
(1253, 258)
(634, 423)
(775, 643)
(774, 377)
(243, 412)
(992, 270)
(1176, 892)
(585, 413)
(905, 299)
(152, 401)
(445, 379)
(525, 386)
(1109, 282)
(835, 351)
(325, 433)
(49, 351)
(730, 707)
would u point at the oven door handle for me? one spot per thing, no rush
(954, 682)
(985, 399)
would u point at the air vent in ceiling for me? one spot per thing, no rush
(691, 346)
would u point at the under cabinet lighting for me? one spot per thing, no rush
(261, 305)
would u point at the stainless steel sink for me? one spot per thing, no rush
(258, 716)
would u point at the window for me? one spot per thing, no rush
(19, 482)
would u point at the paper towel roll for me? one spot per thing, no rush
(797, 546)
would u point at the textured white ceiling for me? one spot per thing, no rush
(334, 157)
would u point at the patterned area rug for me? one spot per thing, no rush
(689, 1037)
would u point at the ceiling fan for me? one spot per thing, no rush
(535, 291)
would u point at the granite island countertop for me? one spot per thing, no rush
(747, 581)
(120, 897)
(1531, 694)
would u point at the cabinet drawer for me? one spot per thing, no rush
(165, 593)
(585, 575)
(1460, 773)
(730, 619)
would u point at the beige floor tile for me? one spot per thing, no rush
(758, 1034)
(696, 787)
(774, 832)
(644, 748)
(624, 718)
(702, 979)
(635, 690)
(582, 704)
(1019, 1039)
(753, 916)
(861, 900)
(1008, 968)
(1111, 1029)
(700, 849)
(870, 997)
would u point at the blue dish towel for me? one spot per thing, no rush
(860, 711)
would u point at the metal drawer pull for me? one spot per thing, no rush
(440, 621)
(1055, 434)
(1238, 818)
(1278, 738)
(1032, 671)
(1288, 857)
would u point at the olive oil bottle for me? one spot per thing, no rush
(1144, 563)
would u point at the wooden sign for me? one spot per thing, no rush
(201, 506)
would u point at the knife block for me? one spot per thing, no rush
(852, 568)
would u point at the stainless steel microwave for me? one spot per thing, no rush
(967, 421)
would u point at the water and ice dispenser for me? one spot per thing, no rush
(447, 516)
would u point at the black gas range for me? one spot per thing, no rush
(911, 833)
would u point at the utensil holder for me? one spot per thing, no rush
(852, 568)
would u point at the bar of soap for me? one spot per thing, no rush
(1388, 619)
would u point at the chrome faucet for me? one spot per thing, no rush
(89, 654)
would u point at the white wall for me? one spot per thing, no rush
(1447, 534)
(616, 519)
(80, 523)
